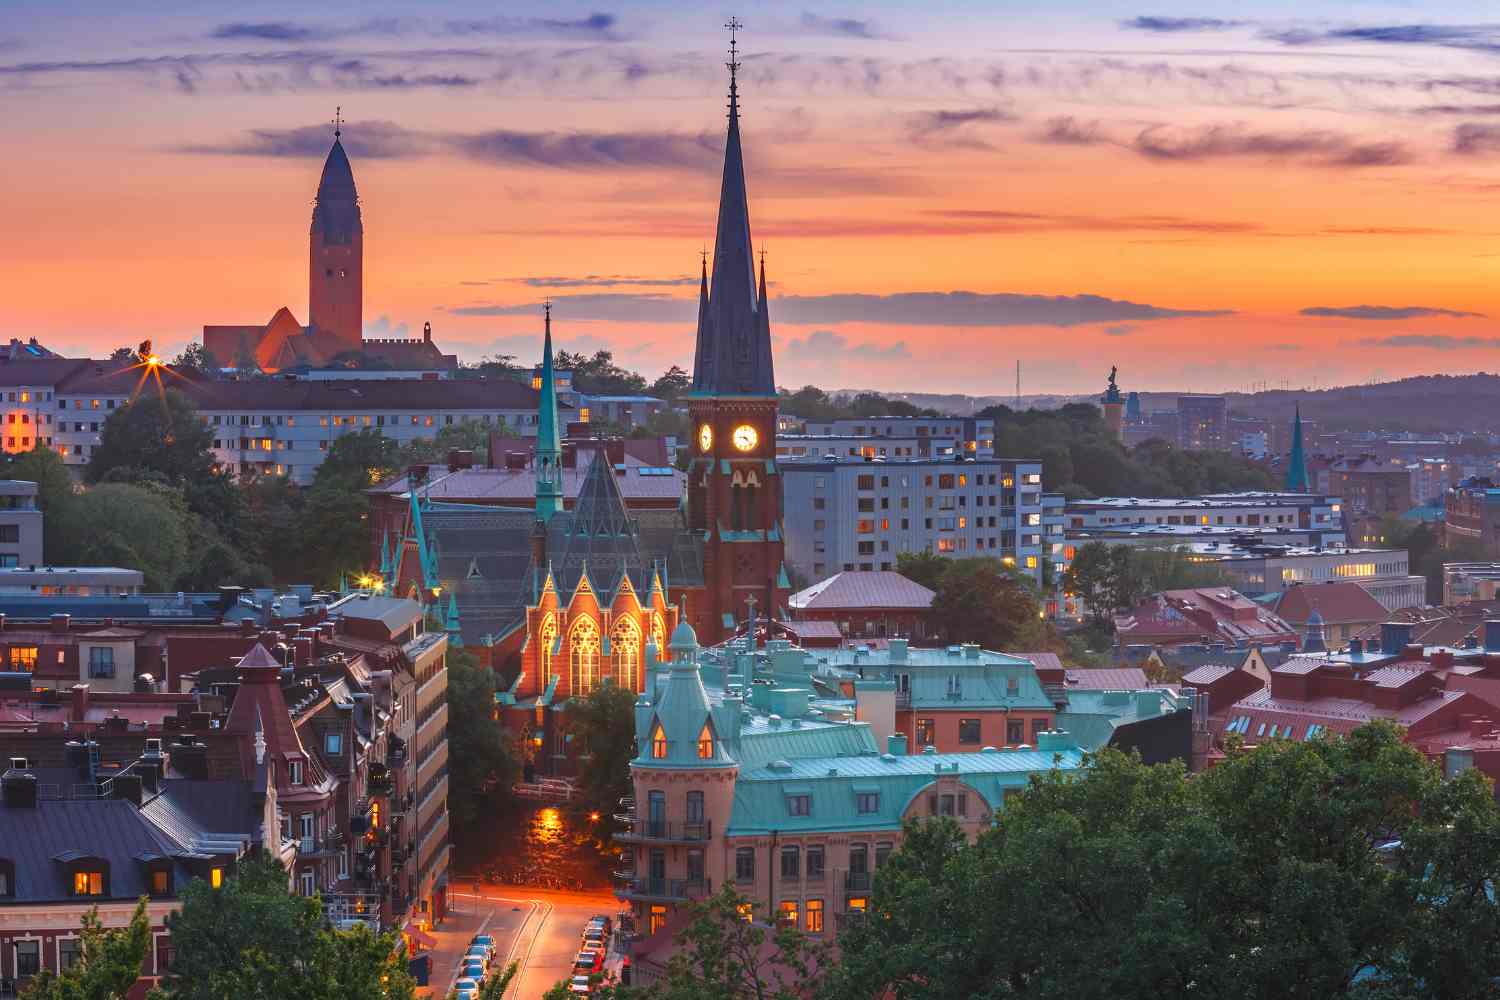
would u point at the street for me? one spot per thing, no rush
(539, 929)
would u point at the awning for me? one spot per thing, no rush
(419, 936)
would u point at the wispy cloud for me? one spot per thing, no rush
(841, 27)
(1175, 25)
(1431, 341)
(1065, 130)
(1387, 312)
(269, 31)
(1474, 139)
(371, 140)
(952, 127)
(595, 27)
(1333, 149)
(605, 281)
(1119, 330)
(825, 346)
(970, 309)
(1019, 221)
(1478, 37)
(616, 307)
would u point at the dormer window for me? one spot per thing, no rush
(659, 742)
(294, 771)
(88, 881)
(161, 882)
(7, 878)
(706, 743)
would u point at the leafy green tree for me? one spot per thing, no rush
(495, 986)
(197, 359)
(333, 537)
(470, 435)
(926, 568)
(55, 488)
(479, 754)
(253, 939)
(599, 375)
(162, 434)
(674, 382)
(109, 962)
(119, 524)
(357, 461)
(977, 600)
(603, 724)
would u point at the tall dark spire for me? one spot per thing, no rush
(1296, 461)
(548, 441)
(336, 213)
(734, 342)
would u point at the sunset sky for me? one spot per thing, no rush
(1209, 196)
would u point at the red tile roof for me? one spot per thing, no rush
(1338, 603)
(868, 589)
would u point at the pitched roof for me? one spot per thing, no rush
(863, 589)
(1338, 603)
(336, 212)
(110, 829)
(1107, 678)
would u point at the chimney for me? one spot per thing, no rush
(302, 650)
(18, 789)
(61, 623)
(126, 785)
(80, 702)
(895, 744)
(426, 333)
(1411, 651)
(191, 759)
(897, 650)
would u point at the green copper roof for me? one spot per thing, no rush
(680, 707)
(1296, 463)
(548, 437)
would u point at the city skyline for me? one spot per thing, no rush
(1277, 194)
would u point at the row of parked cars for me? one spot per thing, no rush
(590, 960)
(476, 966)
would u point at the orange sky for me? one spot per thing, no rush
(160, 170)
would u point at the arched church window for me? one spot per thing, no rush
(659, 636)
(583, 649)
(659, 742)
(626, 643)
(706, 743)
(547, 636)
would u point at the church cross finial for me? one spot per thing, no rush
(338, 121)
(734, 24)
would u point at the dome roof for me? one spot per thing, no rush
(683, 637)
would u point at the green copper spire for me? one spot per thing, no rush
(1296, 463)
(548, 442)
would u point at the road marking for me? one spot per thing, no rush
(537, 936)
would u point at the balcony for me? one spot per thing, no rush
(661, 832)
(903, 699)
(665, 890)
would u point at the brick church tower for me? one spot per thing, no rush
(337, 255)
(734, 487)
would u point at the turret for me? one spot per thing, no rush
(548, 442)
(336, 254)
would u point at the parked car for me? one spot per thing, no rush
(473, 969)
(466, 988)
(589, 961)
(603, 921)
(487, 941)
(593, 937)
(579, 986)
(479, 952)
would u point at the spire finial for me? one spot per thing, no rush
(734, 24)
(547, 310)
(338, 121)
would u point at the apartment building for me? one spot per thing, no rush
(1314, 513)
(843, 514)
(1203, 422)
(20, 524)
(973, 436)
(272, 426)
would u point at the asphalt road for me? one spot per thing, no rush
(541, 930)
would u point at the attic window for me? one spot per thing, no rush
(294, 771)
(706, 743)
(659, 743)
(88, 882)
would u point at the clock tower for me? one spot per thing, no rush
(734, 486)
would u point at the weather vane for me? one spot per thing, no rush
(338, 120)
(734, 25)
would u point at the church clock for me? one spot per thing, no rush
(705, 437)
(745, 437)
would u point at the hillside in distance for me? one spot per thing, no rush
(1420, 404)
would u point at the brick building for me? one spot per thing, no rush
(879, 603)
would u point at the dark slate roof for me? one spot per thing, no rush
(111, 829)
(733, 353)
(192, 813)
(336, 212)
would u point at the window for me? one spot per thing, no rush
(101, 661)
(28, 958)
(88, 882)
(659, 742)
(695, 807)
(791, 863)
(1038, 727)
(23, 658)
(10, 533)
(7, 878)
(744, 864)
(333, 744)
(867, 802)
(309, 883)
(815, 916)
(695, 866)
(859, 858)
(1015, 732)
(706, 743)
(968, 730)
(69, 951)
(945, 805)
(882, 854)
(786, 913)
(307, 822)
(799, 805)
(161, 882)
(815, 860)
(294, 772)
(926, 733)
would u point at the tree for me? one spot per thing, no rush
(357, 461)
(470, 435)
(253, 939)
(109, 962)
(977, 600)
(119, 524)
(495, 986)
(603, 724)
(198, 359)
(479, 754)
(926, 568)
(674, 382)
(334, 538)
(159, 433)
(124, 356)
(55, 487)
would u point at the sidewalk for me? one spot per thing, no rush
(453, 937)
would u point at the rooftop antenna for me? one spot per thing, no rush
(734, 24)
(338, 121)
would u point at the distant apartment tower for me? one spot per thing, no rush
(1203, 422)
(1471, 513)
(20, 524)
(1370, 486)
(974, 438)
(843, 515)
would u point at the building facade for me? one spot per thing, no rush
(1203, 422)
(847, 515)
(1471, 514)
(1306, 512)
(930, 437)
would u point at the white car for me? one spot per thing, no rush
(579, 986)
(466, 989)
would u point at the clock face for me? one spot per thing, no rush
(705, 437)
(745, 437)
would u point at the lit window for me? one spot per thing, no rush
(88, 883)
(161, 882)
(706, 743)
(787, 913)
(659, 743)
(23, 658)
(216, 877)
